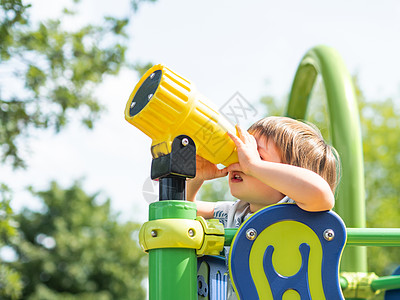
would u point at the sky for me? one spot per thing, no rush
(223, 47)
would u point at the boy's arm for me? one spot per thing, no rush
(204, 209)
(308, 189)
(204, 171)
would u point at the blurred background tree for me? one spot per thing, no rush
(48, 72)
(380, 124)
(10, 283)
(74, 248)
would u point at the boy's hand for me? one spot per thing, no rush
(206, 170)
(248, 155)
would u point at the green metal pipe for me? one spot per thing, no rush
(172, 271)
(381, 283)
(383, 237)
(229, 234)
(346, 136)
(386, 237)
(386, 283)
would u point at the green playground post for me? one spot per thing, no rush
(172, 271)
(346, 136)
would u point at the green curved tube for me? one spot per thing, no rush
(346, 136)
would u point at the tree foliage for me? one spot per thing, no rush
(10, 280)
(74, 248)
(49, 69)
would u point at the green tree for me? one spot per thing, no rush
(74, 248)
(10, 282)
(48, 71)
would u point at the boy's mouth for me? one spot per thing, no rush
(236, 177)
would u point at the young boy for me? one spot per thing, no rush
(281, 160)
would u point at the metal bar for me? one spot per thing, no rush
(172, 188)
(346, 136)
(229, 234)
(386, 283)
(385, 237)
(381, 283)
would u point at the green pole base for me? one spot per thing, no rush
(172, 271)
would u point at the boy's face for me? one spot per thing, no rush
(252, 190)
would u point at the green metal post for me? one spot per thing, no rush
(172, 271)
(346, 136)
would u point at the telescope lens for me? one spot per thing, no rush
(145, 92)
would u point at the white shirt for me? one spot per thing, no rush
(233, 214)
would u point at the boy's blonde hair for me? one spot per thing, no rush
(300, 145)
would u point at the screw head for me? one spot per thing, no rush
(152, 75)
(185, 142)
(133, 104)
(153, 233)
(251, 234)
(149, 96)
(191, 232)
(329, 235)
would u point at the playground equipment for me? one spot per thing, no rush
(181, 123)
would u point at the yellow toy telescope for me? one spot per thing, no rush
(165, 105)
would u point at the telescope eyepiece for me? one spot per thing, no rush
(145, 92)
